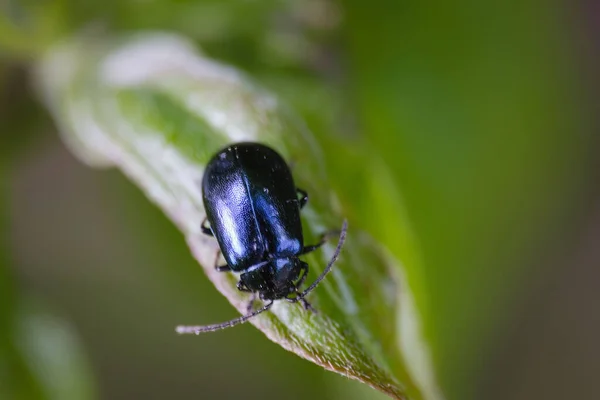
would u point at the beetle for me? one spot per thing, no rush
(253, 210)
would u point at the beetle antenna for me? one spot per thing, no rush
(338, 249)
(183, 329)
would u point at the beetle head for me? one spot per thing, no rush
(271, 279)
(274, 279)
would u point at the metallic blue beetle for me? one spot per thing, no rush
(253, 208)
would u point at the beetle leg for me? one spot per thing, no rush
(206, 229)
(303, 277)
(312, 247)
(250, 305)
(304, 199)
(220, 268)
(307, 305)
(302, 300)
(242, 288)
(322, 240)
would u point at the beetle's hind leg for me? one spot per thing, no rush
(322, 240)
(304, 197)
(205, 228)
(302, 200)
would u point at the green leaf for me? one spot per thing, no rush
(51, 351)
(157, 110)
(40, 354)
(477, 110)
(42, 358)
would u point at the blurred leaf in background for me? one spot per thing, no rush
(460, 135)
(40, 355)
(479, 111)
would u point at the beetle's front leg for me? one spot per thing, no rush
(307, 306)
(242, 288)
(250, 305)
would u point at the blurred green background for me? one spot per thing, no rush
(462, 135)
